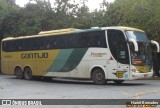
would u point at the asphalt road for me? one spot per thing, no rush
(12, 88)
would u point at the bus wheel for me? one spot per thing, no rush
(27, 73)
(118, 81)
(18, 72)
(98, 77)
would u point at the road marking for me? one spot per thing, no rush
(139, 94)
(127, 94)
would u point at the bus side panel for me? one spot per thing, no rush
(32, 59)
(7, 63)
(96, 57)
(5, 67)
(41, 65)
(81, 70)
(67, 62)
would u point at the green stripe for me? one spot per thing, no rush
(60, 60)
(67, 60)
(74, 59)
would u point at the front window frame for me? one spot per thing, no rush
(144, 51)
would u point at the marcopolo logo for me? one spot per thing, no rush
(98, 54)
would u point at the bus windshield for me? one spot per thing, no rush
(143, 56)
(136, 35)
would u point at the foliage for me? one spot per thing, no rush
(42, 15)
(6, 10)
(142, 14)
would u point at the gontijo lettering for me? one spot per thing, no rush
(34, 55)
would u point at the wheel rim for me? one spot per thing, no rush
(18, 73)
(28, 74)
(99, 76)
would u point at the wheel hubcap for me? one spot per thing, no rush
(18, 72)
(28, 74)
(99, 76)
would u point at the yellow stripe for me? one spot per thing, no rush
(39, 66)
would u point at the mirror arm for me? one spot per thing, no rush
(155, 43)
(134, 43)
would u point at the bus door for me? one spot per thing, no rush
(119, 59)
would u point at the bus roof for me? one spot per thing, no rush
(60, 31)
(123, 28)
(45, 33)
(72, 30)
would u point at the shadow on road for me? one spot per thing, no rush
(83, 82)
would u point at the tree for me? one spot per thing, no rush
(11, 1)
(142, 14)
(6, 10)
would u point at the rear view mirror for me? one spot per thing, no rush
(155, 43)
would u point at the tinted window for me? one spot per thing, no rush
(89, 39)
(98, 39)
(76, 40)
(118, 46)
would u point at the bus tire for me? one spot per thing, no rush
(118, 81)
(18, 72)
(27, 73)
(98, 77)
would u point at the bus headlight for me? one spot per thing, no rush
(135, 70)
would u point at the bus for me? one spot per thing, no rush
(101, 54)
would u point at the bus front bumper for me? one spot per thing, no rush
(135, 76)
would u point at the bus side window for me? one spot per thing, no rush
(97, 39)
(60, 43)
(52, 42)
(12, 46)
(74, 41)
(5, 46)
(102, 39)
(67, 41)
(48, 42)
(41, 44)
(19, 45)
(94, 41)
(84, 41)
(48, 45)
(34, 44)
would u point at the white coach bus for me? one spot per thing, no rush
(101, 54)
